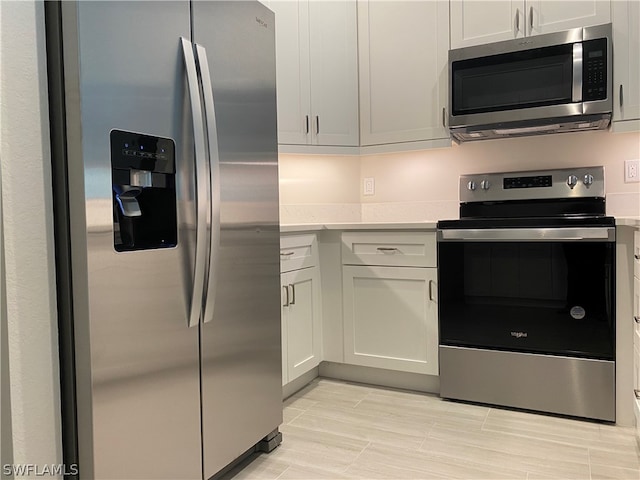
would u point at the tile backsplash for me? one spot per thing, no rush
(423, 185)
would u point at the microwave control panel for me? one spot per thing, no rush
(594, 76)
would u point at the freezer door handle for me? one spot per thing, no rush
(202, 185)
(214, 169)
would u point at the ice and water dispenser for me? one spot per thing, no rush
(143, 171)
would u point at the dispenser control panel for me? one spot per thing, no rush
(143, 169)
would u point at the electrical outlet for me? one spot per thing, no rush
(631, 171)
(369, 186)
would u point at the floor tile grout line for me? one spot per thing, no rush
(283, 472)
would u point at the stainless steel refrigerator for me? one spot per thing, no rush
(165, 165)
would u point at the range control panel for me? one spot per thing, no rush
(584, 182)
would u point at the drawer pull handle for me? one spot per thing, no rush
(286, 254)
(637, 257)
(388, 249)
(637, 319)
(636, 392)
(293, 294)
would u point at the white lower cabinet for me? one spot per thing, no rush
(390, 318)
(300, 305)
(636, 330)
(389, 306)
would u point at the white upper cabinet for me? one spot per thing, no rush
(476, 22)
(317, 72)
(626, 61)
(403, 48)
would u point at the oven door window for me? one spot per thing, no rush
(537, 297)
(532, 78)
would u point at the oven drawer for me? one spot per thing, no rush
(406, 249)
(298, 251)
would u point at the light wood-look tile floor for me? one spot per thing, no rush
(336, 430)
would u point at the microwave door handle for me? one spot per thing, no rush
(576, 95)
(202, 190)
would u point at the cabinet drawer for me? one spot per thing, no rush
(405, 249)
(636, 254)
(298, 251)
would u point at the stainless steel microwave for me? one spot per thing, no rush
(557, 82)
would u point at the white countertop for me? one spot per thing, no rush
(628, 221)
(313, 227)
(422, 225)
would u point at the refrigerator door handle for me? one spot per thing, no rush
(214, 169)
(202, 185)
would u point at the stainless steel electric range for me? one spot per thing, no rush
(527, 293)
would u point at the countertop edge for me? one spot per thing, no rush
(315, 227)
(420, 225)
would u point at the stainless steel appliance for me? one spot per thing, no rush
(165, 161)
(526, 293)
(558, 82)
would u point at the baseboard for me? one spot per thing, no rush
(381, 377)
(299, 383)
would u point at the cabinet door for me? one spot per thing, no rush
(334, 73)
(626, 61)
(292, 71)
(284, 303)
(402, 49)
(390, 318)
(547, 16)
(304, 341)
(477, 22)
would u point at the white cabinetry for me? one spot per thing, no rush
(476, 22)
(636, 330)
(626, 64)
(389, 301)
(402, 51)
(301, 309)
(317, 73)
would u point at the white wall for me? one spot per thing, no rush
(29, 275)
(423, 185)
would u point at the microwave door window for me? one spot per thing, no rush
(513, 81)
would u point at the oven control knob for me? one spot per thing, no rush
(471, 185)
(572, 181)
(484, 184)
(588, 179)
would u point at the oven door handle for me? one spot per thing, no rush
(568, 234)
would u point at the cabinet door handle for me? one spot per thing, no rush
(317, 124)
(293, 294)
(636, 392)
(306, 119)
(531, 20)
(517, 20)
(621, 96)
(286, 254)
(431, 290)
(637, 257)
(637, 319)
(444, 116)
(286, 292)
